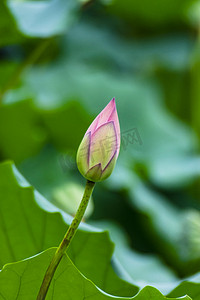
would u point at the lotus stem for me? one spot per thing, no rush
(66, 241)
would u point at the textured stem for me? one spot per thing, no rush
(66, 241)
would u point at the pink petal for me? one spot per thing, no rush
(114, 117)
(103, 144)
(103, 117)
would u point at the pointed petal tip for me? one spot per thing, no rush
(112, 104)
(113, 100)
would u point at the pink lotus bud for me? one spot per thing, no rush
(99, 149)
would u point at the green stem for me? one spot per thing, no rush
(66, 241)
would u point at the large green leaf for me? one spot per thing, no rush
(26, 229)
(43, 18)
(191, 285)
(22, 280)
(89, 42)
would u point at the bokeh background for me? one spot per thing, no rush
(61, 62)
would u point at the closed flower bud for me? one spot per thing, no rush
(99, 149)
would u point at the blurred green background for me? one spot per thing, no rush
(61, 62)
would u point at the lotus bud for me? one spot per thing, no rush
(99, 149)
